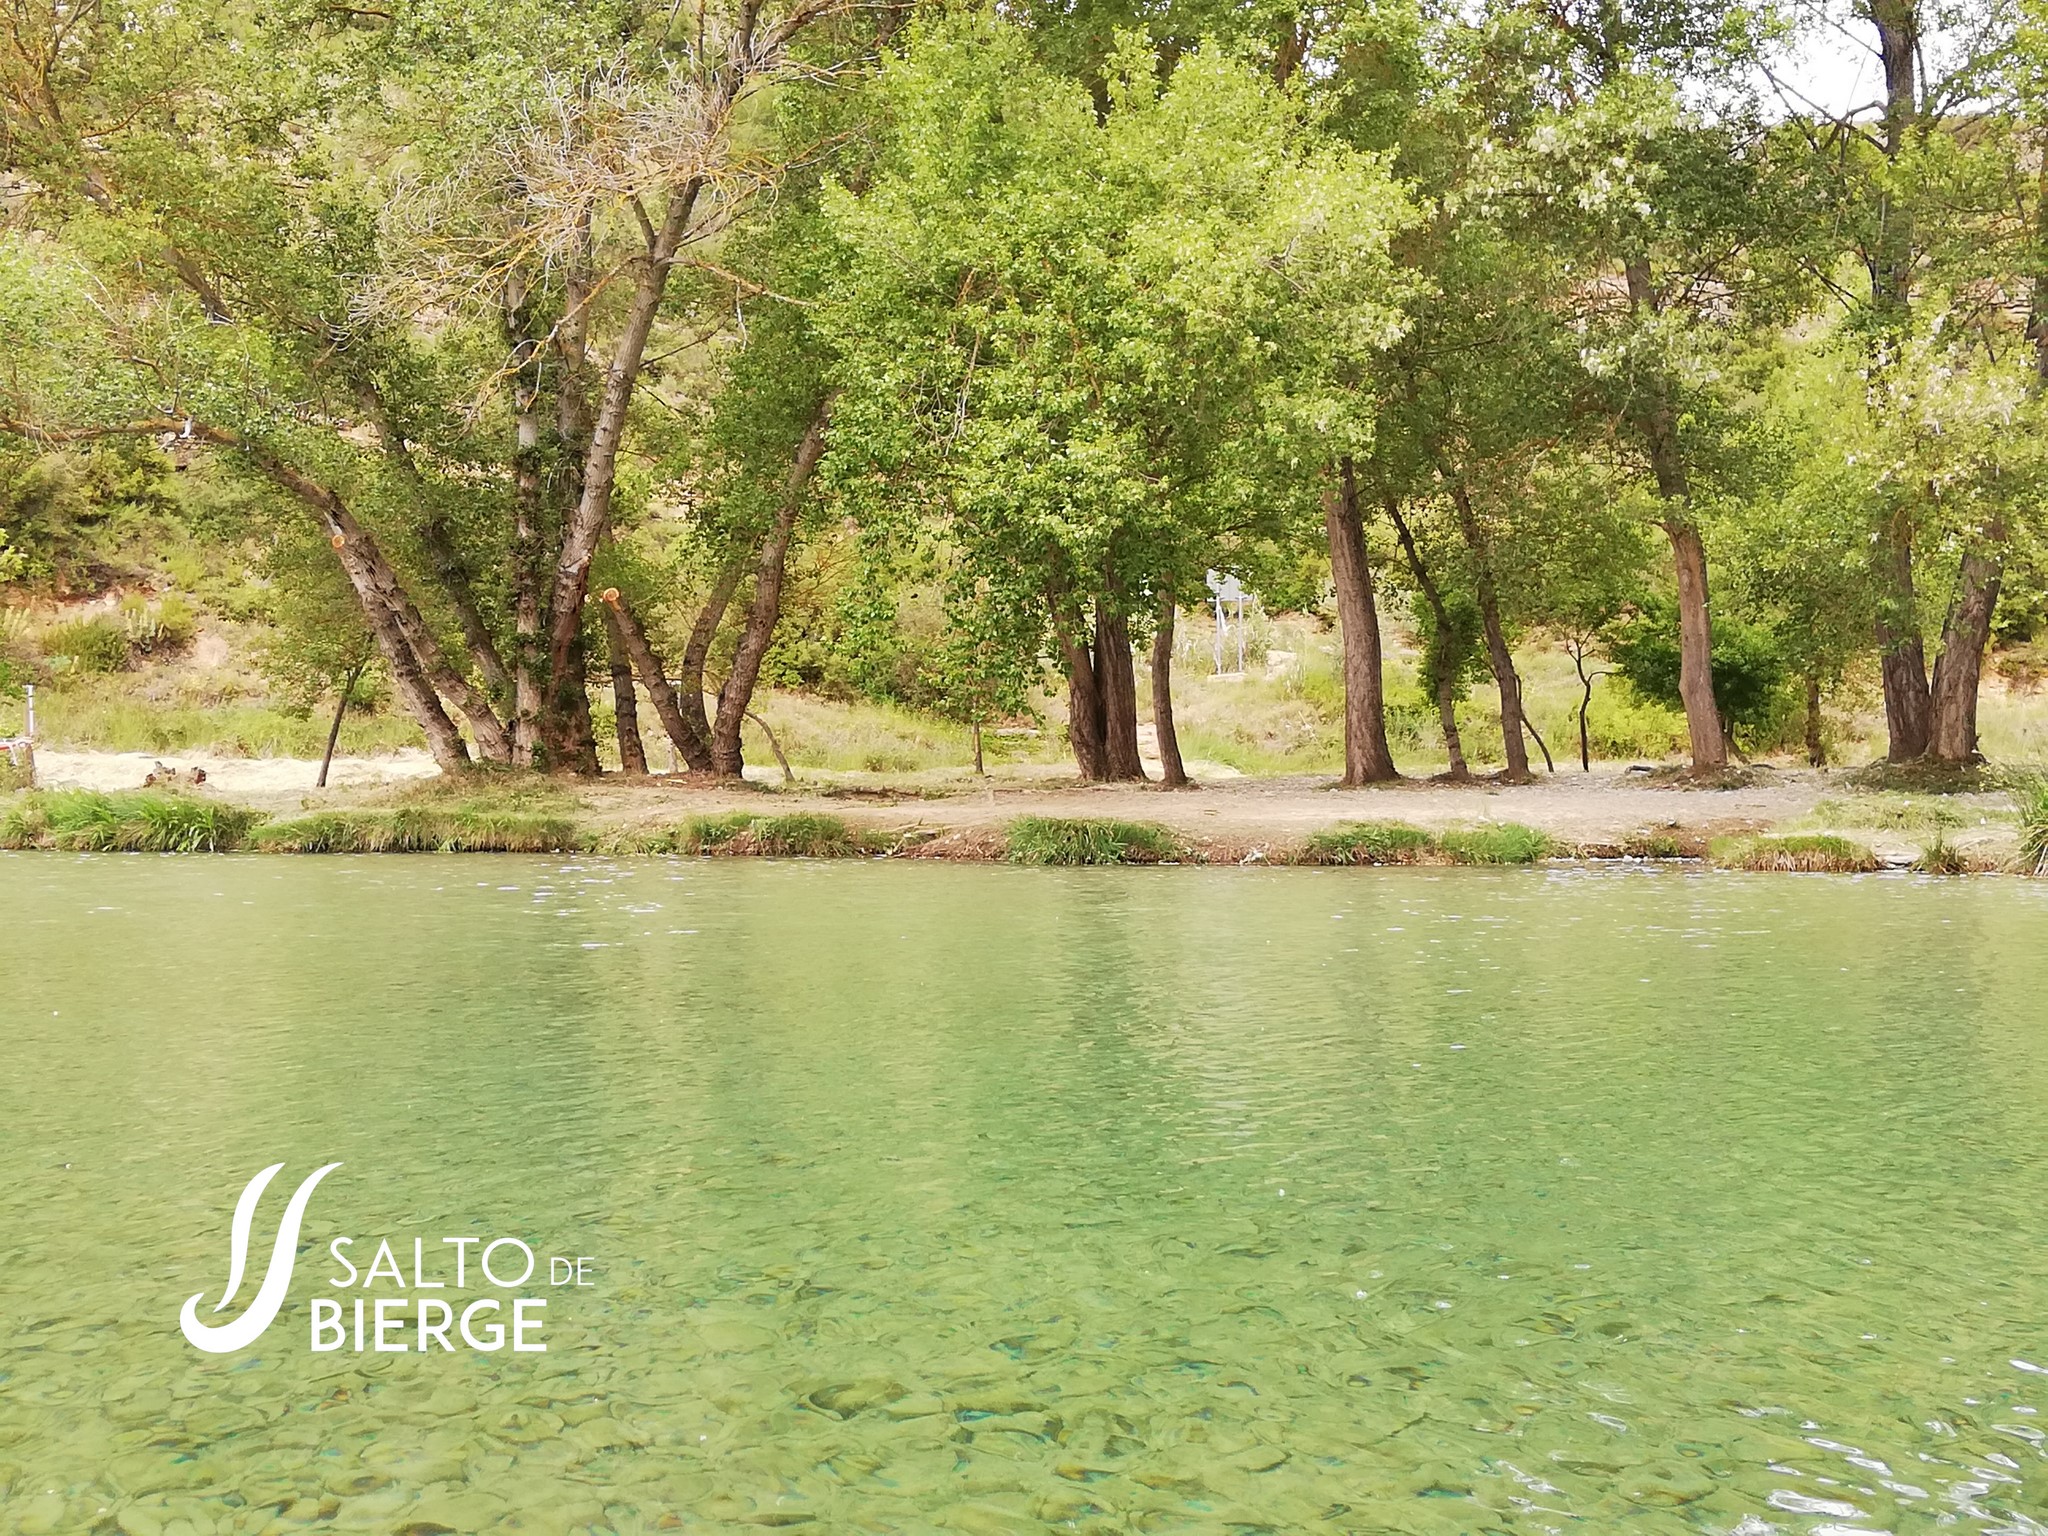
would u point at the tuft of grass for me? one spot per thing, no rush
(1658, 845)
(1507, 843)
(1080, 840)
(1807, 853)
(799, 835)
(1941, 857)
(1369, 842)
(418, 830)
(1887, 813)
(2031, 798)
(140, 821)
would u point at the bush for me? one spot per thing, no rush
(162, 628)
(88, 645)
(1806, 853)
(1062, 840)
(1369, 842)
(143, 821)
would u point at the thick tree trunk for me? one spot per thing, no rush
(1116, 681)
(1696, 648)
(1498, 657)
(1952, 737)
(1908, 703)
(1171, 771)
(625, 707)
(1367, 758)
(766, 606)
(1084, 704)
(1446, 685)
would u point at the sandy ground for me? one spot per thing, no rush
(1604, 807)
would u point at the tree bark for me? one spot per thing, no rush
(1498, 657)
(1116, 681)
(1908, 701)
(1084, 703)
(1446, 685)
(1696, 648)
(1816, 747)
(1367, 758)
(529, 648)
(766, 606)
(1172, 773)
(1952, 736)
(625, 708)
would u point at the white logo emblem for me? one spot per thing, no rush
(244, 1330)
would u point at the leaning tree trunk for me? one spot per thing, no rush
(694, 750)
(766, 607)
(625, 708)
(1367, 758)
(1952, 737)
(1498, 656)
(697, 651)
(1446, 684)
(1116, 681)
(1171, 771)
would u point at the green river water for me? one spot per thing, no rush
(927, 1198)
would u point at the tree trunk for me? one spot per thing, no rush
(625, 708)
(591, 514)
(1657, 423)
(1084, 704)
(766, 606)
(1446, 684)
(1498, 656)
(1908, 702)
(697, 651)
(695, 754)
(1171, 771)
(1952, 736)
(1367, 758)
(348, 686)
(453, 576)
(1116, 681)
(1696, 648)
(1585, 706)
(1816, 748)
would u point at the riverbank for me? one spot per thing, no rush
(391, 804)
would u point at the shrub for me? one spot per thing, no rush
(1808, 853)
(89, 645)
(1063, 840)
(1507, 843)
(142, 821)
(1368, 842)
(157, 629)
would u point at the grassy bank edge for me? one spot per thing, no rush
(155, 821)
